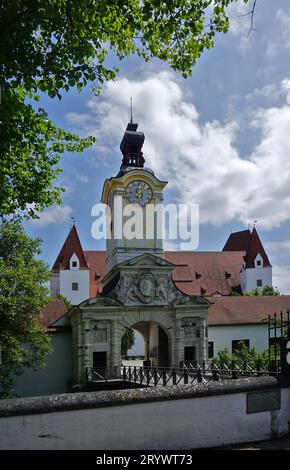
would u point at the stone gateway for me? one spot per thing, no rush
(137, 290)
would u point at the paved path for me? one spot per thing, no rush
(273, 444)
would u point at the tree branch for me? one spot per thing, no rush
(251, 13)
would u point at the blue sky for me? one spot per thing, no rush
(220, 138)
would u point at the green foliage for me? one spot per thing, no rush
(52, 46)
(66, 301)
(234, 293)
(23, 294)
(267, 291)
(243, 355)
(128, 341)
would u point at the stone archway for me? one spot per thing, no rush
(157, 342)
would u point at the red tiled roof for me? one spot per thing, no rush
(97, 264)
(206, 272)
(196, 273)
(243, 310)
(255, 247)
(55, 309)
(71, 245)
(238, 241)
(249, 242)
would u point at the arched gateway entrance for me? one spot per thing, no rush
(171, 322)
(156, 343)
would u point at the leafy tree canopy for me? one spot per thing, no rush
(23, 294)
(267, 290)
(54, 45)
(243, 355)
(128, 341)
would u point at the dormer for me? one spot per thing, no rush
(259, 261)
(74, 263)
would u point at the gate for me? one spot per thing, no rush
(279, 342)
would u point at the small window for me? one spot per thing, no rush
(74, 264)
(210, 350)
(259, 283)
(238, 344)
(75, 286)
(259, 262)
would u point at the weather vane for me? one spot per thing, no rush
(73, 222)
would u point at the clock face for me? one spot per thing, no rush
(139, 192)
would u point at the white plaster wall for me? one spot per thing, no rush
(67, 277)
(222, 336)
(55, 377)
(249, 277)
(177, 424)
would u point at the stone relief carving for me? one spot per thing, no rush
(191, 329)
(189, 332)
(146, 288)
(99, 335)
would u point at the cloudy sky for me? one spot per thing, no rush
(220, 138)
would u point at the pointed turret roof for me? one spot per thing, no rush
(255, 247)
(71, 245)
(238, 241)
(249, 242)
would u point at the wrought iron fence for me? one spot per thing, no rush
(96, 374)
(188, 373)
(278, 335)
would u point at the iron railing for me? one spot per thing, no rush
(278, 334)
(188, 373)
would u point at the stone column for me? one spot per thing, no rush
(115, 347)
(86, 348)
(179, 344)
(202, 342)
(146, 349)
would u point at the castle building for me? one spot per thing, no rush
(180, 302)
(240, 267)
(132, 286)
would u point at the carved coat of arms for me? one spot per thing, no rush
(146, 287)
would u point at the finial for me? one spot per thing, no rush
(131, 110)
(73, 222)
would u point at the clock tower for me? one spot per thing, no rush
(138, 290)
(133, 197)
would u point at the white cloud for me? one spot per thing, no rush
(54, 215)
(281, 279)
(83, 178)
(267, 91)
(240, 25)
(201, 162)
(278, 247)
(281, 42)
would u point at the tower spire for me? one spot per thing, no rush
(131, 145)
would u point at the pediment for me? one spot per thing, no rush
(100, 302)
(147, 260)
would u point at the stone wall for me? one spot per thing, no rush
(182, 417)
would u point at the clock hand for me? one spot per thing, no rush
(141, 190)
